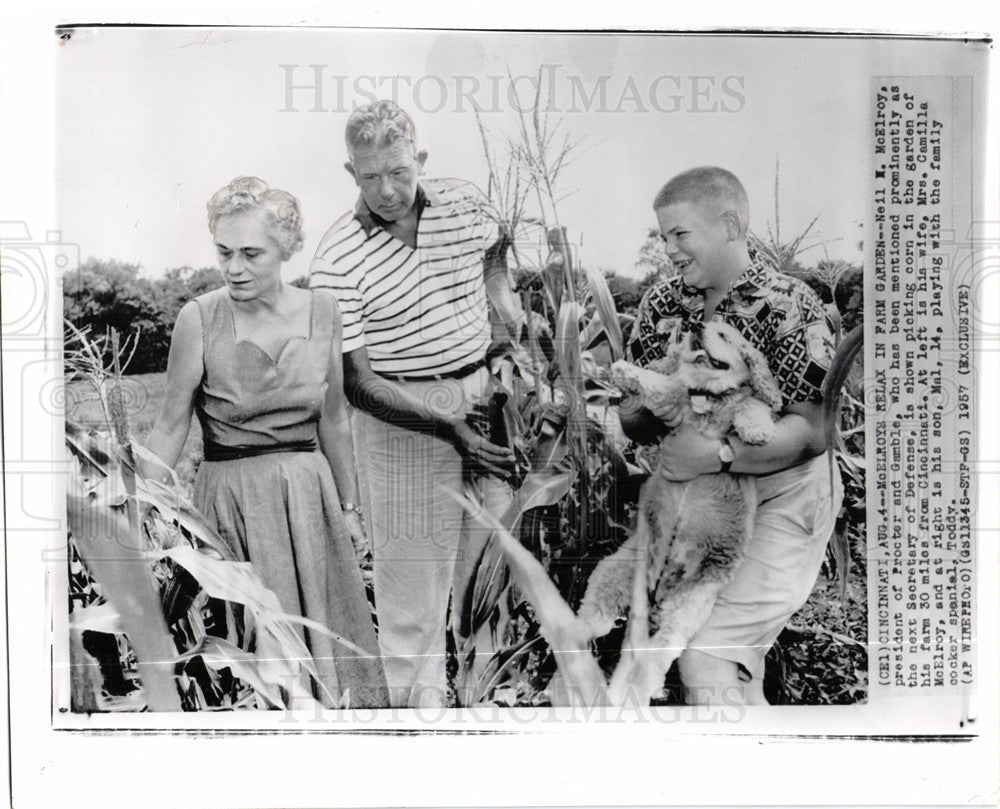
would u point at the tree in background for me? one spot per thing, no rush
(653, 259)
(181, 284)
(627, 292)
(110, 294)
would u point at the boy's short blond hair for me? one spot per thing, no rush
(707, 184)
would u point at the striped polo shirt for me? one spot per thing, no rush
(419, 311)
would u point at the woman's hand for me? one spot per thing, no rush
(359, 536)
(686, 454)
(356, 527)
(362, 545)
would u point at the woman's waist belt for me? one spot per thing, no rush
(221, 452)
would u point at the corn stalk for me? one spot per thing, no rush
(552, 387)
(137, 566)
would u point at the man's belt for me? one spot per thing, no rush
(458, 373)
(220, 452)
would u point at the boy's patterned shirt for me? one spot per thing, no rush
(781, 316)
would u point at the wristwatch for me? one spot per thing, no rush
(355, 508)
(726, 455)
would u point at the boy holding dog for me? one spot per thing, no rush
(703, 215)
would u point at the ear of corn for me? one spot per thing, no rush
(154, 584)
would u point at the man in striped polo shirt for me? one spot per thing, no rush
(411, 266)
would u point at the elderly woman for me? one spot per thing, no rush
(259, 361)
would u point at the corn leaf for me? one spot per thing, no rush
(109, 491)
(490, 581)
(840, 368)
(264, 674)
(174, 508)
(491, 571)
(96, 618)
(240, 582)
(110, 553)
(89, 448)
(560, 626)
(606, 311)
(550, 451)
(589, 332)
(539, 489)
(219, 654)
(502, 662)
(568, 348)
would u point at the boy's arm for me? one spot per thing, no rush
(799, 437)
(804, 352)
(638, 421)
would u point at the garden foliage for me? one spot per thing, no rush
(162, 615)
(109, 294)
(179, 596)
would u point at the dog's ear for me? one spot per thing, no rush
(669, 363)
(671, 331)
(763, 384)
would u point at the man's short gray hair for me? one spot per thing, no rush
(379, 124)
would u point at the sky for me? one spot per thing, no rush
(152, 121)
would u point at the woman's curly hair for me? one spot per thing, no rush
(251, 194)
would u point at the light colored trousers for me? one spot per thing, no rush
(420, 537)
(796, 514)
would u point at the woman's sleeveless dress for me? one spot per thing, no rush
(280, 510)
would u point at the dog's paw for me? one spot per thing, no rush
(595, 624)
(757, 434)
(625, 376)
(754, 424)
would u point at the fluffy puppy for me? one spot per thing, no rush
(693, 532)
